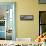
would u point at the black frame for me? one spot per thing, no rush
(41, 2)
(39, 21)
(2, 23)
(26, 17)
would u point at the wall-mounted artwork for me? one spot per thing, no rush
(26, 17)
(42, 22)
(42, 1)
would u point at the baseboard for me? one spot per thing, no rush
(24, 39)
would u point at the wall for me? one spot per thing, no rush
(25, 28)
(28, 29)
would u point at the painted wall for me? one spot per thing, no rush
(28, 29)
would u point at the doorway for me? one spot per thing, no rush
(7, 21)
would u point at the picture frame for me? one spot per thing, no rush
(26, 17)
(42, 1)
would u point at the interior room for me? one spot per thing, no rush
(22, 21)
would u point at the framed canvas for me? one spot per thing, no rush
(42, 1)
(42, 22)
(26, 17)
